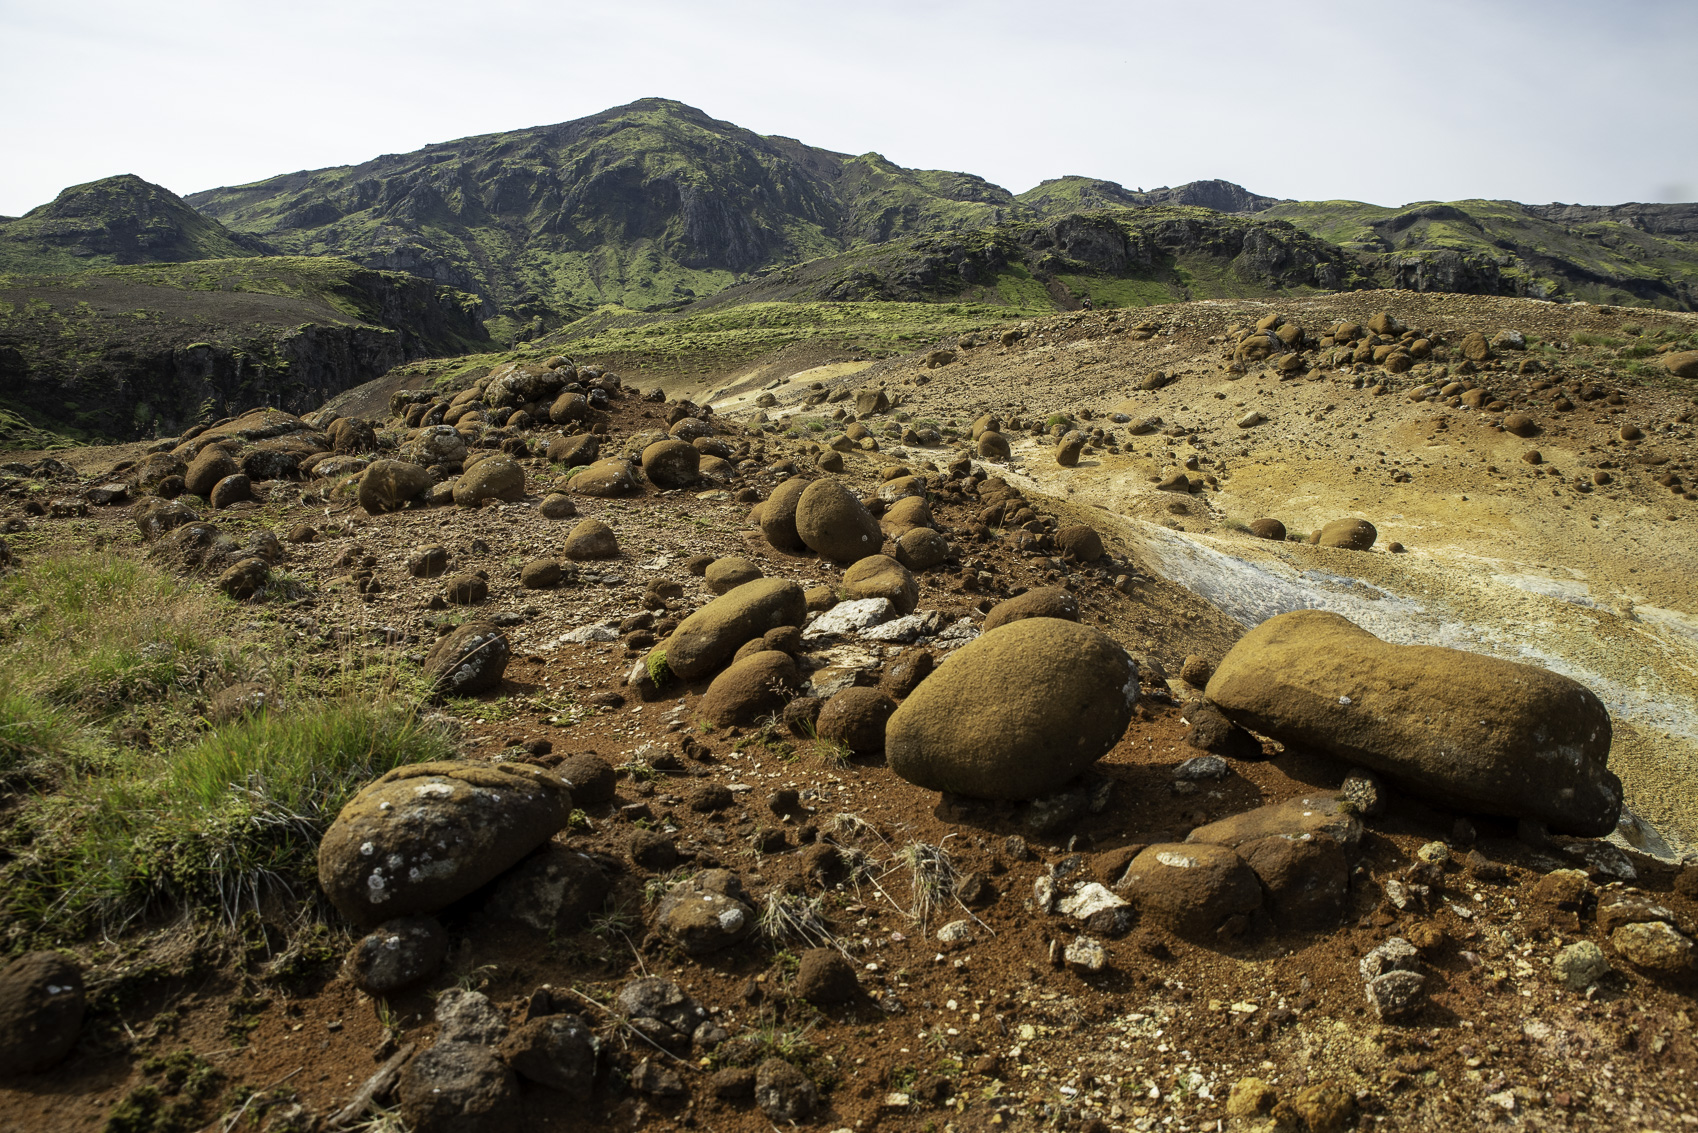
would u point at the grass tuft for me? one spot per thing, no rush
(232, 822)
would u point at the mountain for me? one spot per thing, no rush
(647, 205)
(116, 220)
(1628, 254)
(124, 352)
(1077, 194)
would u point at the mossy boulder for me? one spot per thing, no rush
(778, 516)
(758, 685)
(709, 637)
(606, 478)
(1043, 602)
(833, 522)
(493, 478)
(1477, 733)
(422, 837)
(880, 576)
(1017, 713)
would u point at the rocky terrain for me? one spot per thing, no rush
(1224, 715)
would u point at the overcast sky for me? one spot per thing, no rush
(1532, 101)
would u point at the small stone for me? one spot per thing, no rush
(1202, 767)
(824, 976)
(1580, 965)
(1395, 955)
(783, 1092)
(1362, 788)
(1086, 955)
(396, 955)
(1653, 946)
(1395, 994)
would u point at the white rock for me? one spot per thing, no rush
(1088, 899)
(847, 617)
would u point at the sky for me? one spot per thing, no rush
(1549, 101)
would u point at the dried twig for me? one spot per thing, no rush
(376, 1086)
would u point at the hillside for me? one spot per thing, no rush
(1120, 257)
(116, 220)
(1634, 255)
(646, 206)
(125, 352)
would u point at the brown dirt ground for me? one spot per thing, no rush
(988, 1035)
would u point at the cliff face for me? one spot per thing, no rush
(123, 353)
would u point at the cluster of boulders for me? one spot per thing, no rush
(1383, 342)
(473, 1077)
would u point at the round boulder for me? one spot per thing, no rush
(606, 478)
(469, 660)
(1475, 733)
(494, 478)
(921, 548)
(825, 977)
(778, 516)
(231, 490)
(396, 955)
(207, 469)
(1016, 713)
(880, 576)
(671, 464)
(390, 485)
(707, 638)
(727, 574)
(1520, 424)
(856, 717)
(905, 514)
(592, 539)
(41, 1011)
(751, 688)
(423, 836)
(1080, 543)
(1044, 602)
(459, 1087)
(1192, 889)
(1348, 534)
(830, 520)
(1267, 529)
(994, 446)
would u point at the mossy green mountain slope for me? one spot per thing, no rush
(1120, 257)
(116, 220)
(1631, 255)
(648, 206)
(123, 352)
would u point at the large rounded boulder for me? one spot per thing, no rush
(1476, 733)
(606, 478)
(423, 836)
(494, 478)
(758, 685)
(1044, 602)
(41, 1011)
(469, 660)
(671, 464)
(1017, 713)
(880, 576)
(1194, 889)
(709, 637)
(833, 522)
(778, 516)
(389, 485)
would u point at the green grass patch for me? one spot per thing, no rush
(230, 823)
